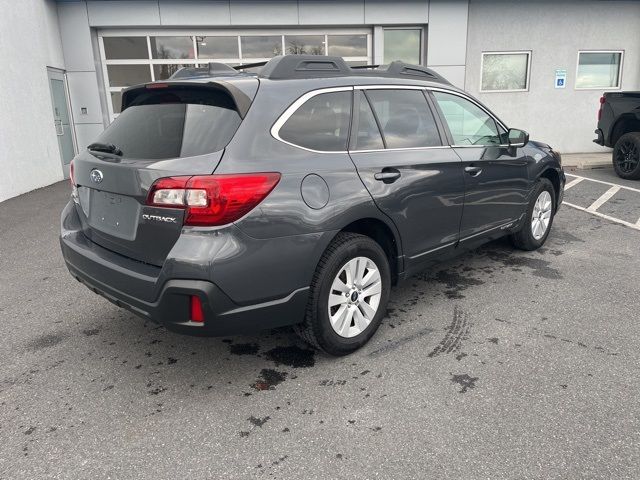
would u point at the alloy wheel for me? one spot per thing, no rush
(627, 157)
(541, 216)
(354, 297)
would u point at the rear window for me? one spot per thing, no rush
(321, 123)
(174, 122)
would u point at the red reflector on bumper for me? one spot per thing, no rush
(196, 309)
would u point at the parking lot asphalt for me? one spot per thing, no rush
(498, 364)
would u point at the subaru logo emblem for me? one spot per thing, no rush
(96, 175)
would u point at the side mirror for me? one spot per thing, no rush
(517, 138)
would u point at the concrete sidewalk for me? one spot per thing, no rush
(586, 161)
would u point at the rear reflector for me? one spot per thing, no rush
(196, 309)
(212, 200)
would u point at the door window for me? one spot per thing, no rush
(368, 136)
(468, 123)
(321, 123)
(405, 118)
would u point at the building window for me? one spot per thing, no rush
(505, 71)
(599, 70)
(403, 44)
(140, 57)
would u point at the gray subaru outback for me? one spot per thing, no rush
(222, 202)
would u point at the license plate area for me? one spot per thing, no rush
(114, 214)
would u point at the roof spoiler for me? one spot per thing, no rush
(240, 99)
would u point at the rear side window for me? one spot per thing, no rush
(405, 118)
(170, 123)
(321, 123)
(368, 135)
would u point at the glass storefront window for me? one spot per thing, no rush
(116, 101)
(402, 44)
(347, 45)
(504, 72)
(134, 59)
(304, 44)
(164, 71)
(127, 75)
(264, 46)
(126, 48)
(217, 47)
(172, 47)
(599, 70)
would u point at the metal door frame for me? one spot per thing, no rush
(52, 72)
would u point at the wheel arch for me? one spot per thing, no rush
(553, 176)
(627, 123)
(384, 235)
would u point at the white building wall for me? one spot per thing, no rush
(554, 31)
(29, 43)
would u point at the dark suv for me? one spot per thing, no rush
(298, 196)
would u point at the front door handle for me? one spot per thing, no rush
(387, 175)
(473, 171)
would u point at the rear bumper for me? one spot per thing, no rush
(148, 292)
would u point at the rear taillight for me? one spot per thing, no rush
(72, 177)
(600, 109)
(211, 200)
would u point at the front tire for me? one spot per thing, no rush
(538, 219)
(626, 156)
(349, 295)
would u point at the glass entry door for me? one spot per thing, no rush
(61, 118)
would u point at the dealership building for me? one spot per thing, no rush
(539, 65)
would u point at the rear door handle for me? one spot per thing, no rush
(387, 175)
(473, 171)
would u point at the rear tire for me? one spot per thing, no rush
(349, 295)
(538, 219)
(626, 156)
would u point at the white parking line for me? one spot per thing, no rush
(573, 183)
(599, 181)
(592, 209)
(603, 198)
(635, 226)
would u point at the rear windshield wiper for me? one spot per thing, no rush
(105, 147)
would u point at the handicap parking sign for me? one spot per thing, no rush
(561, 78)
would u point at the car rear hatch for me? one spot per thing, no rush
(164, 130)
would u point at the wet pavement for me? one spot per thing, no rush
(498, 364)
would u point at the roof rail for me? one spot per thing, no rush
(399, 68)
(314, 66)
(304, 66)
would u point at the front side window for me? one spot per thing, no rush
(505, 72)
(321, 123)
(468, 123)
(405, 118)
(599, 70)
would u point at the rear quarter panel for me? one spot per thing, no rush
(293, 234)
